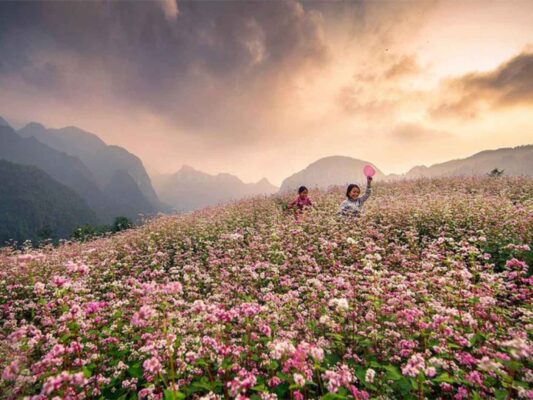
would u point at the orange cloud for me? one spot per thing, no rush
(511, 84)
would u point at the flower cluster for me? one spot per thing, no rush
(426, 295)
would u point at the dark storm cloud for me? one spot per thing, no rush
(508, 85)
(201, 64)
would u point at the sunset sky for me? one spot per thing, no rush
(264, 88)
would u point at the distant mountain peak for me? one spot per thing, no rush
(263, 181)
(101, 159)
(189, 189)
(34, 125)
(186, 167)
(3, 122)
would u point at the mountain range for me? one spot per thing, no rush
(339, 170)
(56, 179)
(513, 161)
(102, 160)
(189, 189)
(112, 181)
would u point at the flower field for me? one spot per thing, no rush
(426, 295)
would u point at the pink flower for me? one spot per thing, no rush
(446, 387)
(462, 393)
(297, 395)
(11, 371)
(414, 366)
(516, 264)
(273, 382)
(265, 330)
(141, 317)
(242, 382)
(358, 394)
(475, 378)
(152, 367)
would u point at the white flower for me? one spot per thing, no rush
(370, 375)
(299, 379)
(339, 304)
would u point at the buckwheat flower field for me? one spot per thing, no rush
(427, 295)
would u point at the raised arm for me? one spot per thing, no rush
(368, 190)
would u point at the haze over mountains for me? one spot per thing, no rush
(340, 170)
(102, 160)
(513, 160)
(75, 178)
(189, 189)
(110, 181)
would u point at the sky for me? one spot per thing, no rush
(264, 88)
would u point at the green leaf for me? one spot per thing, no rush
(477, 338)
(444, 377)
(332, 396)
(500, 394)
(135, 370)
(294, 386)
(393, 372)
(87, 373)
(404, 386)
(260, 388)
(177, 395)
(274, 365)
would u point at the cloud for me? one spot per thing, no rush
(220, 66)
(378, 91)
(411, 133)
(170, 8)
(406, 65)
(511, 84)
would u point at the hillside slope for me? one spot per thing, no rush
(425, 295)
(515, 161)
(33, 206)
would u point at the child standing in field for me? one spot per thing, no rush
(351, 207)
(301, 202)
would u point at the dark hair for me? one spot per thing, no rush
(301, 189)
(350, 187)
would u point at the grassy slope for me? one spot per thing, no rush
(262, 290)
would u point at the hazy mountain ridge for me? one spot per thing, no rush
(101, 159)
(513, 160)
(340, 170)
(3, 122)
(34, 206)
(107, 203)
(66, 169)
(123, 190)
(329, 171)
(190, 189)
